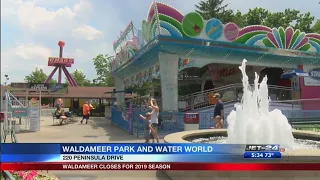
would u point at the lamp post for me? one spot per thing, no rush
(6, 78)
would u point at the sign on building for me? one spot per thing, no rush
(39, 86)
(314, 78)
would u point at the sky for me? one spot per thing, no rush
(31, 29)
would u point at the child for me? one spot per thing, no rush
(148, 130)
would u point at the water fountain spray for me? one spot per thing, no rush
(252, 122)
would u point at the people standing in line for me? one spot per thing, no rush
(154, 117)
(218, 113)
(85, 112)
(148, 130)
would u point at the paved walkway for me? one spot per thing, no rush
(98, 130)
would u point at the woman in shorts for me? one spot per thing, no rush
(148, 129)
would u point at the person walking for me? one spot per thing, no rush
(218, 113)
(148, 130)
(154, 117)
(85, 112)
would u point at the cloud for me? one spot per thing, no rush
(33, 28)
(87, 32)
(34, 17)
(8, 8)
(27, 52)
(82, 6)
(43, 21)
(31, 51)
(23, 58)
(43, 24)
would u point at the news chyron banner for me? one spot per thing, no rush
(186, 156)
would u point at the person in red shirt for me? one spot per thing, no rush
(85, 112)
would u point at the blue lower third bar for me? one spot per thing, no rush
(262, 155)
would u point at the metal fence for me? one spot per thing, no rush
(171, 122)
(18, 116)
(229, 93)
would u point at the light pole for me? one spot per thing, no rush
(7, 78)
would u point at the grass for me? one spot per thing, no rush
(314, 127)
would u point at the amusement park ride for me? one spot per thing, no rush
(10, 105)
(61, 64)
(166, 38)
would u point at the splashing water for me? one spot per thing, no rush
(252, 122)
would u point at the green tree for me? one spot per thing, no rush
(281, 19)
(214, 9)
(239, 19)
(80, 78)
(256, 16)
(316, 27)
(102, 64)
(304, 22)
(37, 76)
(290, 17)
(145, 88)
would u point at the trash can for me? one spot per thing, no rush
(191, 121)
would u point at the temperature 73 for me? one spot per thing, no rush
(268, 155)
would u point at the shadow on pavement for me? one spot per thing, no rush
(114, 133)
(112, 175)
(162, 175)
(24, 131)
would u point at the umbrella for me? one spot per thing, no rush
(294, 73)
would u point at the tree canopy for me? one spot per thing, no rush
(102, 64)
(213, 8)
(80, 78)
(257, 16)
(37, 76)
(316, 27)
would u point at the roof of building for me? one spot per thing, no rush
(75, 92)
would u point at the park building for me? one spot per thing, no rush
(73, 97)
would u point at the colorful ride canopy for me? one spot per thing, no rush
(169, 21)
(165, 21)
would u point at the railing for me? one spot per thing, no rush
(15, 104)
(229, 93)
(19, 103)
(174, 121)
(308, 108)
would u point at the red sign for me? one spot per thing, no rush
(2, 116)
(19, 111)
(191, 118)
(55, 61)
